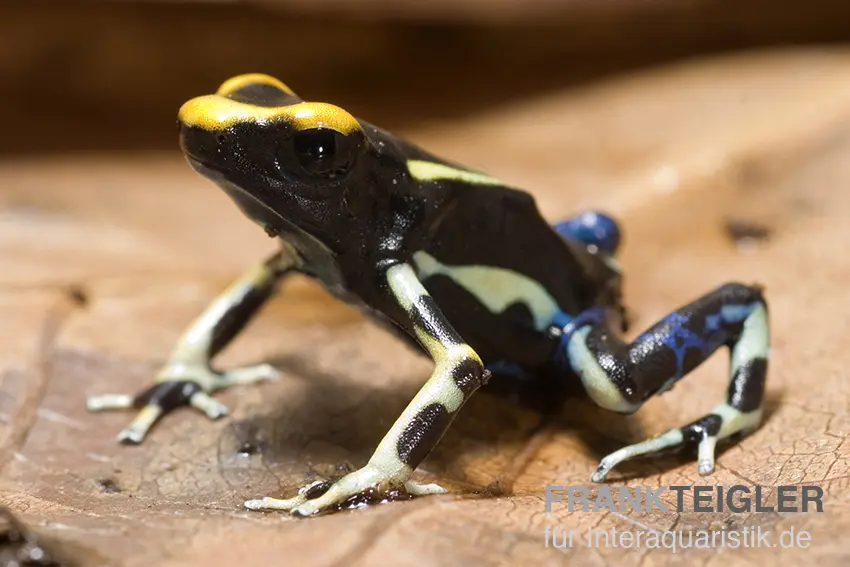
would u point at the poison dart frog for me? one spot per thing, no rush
(458, 262)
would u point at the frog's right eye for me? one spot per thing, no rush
(321, 154)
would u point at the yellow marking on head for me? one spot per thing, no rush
(215, 112)
(430, 171)
(233, 84)
(308, 115)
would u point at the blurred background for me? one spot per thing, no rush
(111, 75)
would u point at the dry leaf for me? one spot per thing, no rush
(104, 261)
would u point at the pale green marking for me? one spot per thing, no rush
(496, 288)
(598, 384)
(754, 341)
(429, 171)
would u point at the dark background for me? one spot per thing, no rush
(111, 75)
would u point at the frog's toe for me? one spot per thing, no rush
(672, 438)
(311, 490)
(153, 403)
(417, 489)
(702, 434)
(270, 504)
(211, 407)
(368, 480)
(177, 385)
(105, 402)
(135, 433)
(248, 375)
(370, 483)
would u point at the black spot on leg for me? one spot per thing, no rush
(168, 395)
(318, 490)
(427, 316)
(237, 315)
(422, 433)
(746, 389)
(620, 363)
(706, 426)
(370, 497)
(469, 375)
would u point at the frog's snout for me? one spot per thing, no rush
(202, 145)
(211, 113)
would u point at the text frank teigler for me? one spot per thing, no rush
(736, 499)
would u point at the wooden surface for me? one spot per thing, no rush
(104, 259)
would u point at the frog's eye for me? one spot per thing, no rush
(323, 153)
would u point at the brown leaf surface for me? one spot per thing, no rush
(104, 260)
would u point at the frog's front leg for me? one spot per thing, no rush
(187, 378)
(621, 376)
(457, 374)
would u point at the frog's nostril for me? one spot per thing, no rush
(221, 138)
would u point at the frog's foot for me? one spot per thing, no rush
(703, 434)
(369, 482)
(177, 385)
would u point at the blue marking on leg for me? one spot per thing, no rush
(592, 228)
(561, 320)
(676, 332)
(729, 315)
(736, 313)
(680, 338)
(679, 332)
(595, 315)
(569, 325)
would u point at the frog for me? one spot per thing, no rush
(461, 265)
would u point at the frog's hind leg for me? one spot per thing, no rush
(621, 376)
(592, 229)
(187, 379)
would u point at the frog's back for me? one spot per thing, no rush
(497, 270)
(500, 273)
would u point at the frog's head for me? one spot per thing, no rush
(284, 161)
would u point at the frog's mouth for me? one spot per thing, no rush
(270, 220)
